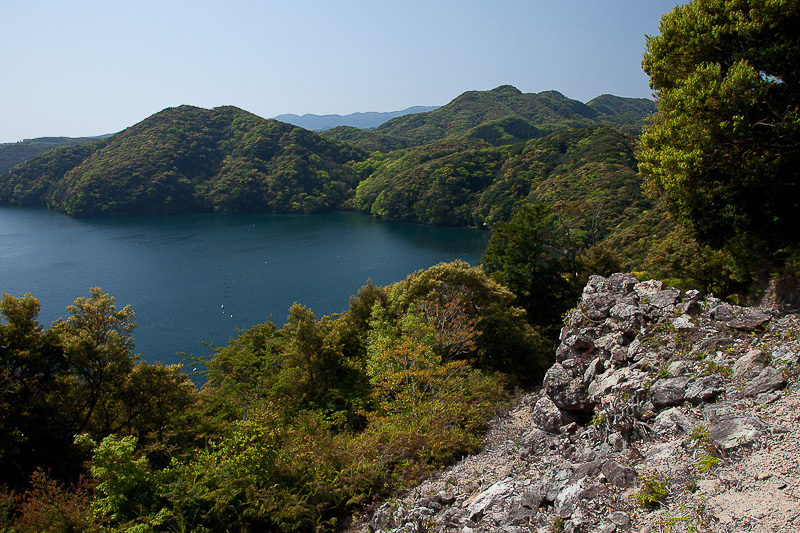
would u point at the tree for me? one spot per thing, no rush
(724, 148)
(33, 429)
(97, 343)
(524, 255)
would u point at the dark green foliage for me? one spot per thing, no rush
(78, 376)
(625, 114)
(547, 110)
(188, 159)
(369, 140)
(533, 259)
(507, 130)
(470, 183)
(12, 154)
(724, 148)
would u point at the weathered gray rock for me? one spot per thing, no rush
(786, 355)
(647, 289)
(749, 322)
(597, 306)
(670, 391)
(691, 307)
(693, 294)
(715, 343)
(684, 324)
(548, 416)
(704, 389)
(568, 498)
(621, 520)
(489, 498)
(665, 299)
(750, 364)
(722, 313)
(594, 369)
(621, 283)
(733, 432)
(677, 368)
(618, 475)
(770, 379)
(673, 422)
(566, 391)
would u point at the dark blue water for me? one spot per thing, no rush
(197, 278)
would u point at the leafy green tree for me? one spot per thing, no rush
(99, 348)
(527, 256)
(724, 147)
(33, 429)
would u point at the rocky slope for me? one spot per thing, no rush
(664, 412)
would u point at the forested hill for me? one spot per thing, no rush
(12, 154)
(589, 171)
(438, 168)
(504, 115)
(357, 120)
(188, 159)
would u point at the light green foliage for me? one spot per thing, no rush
(127, 487)
(652, 492)
(98, 344)
(707, 462)
(695, 520)
(724, 147)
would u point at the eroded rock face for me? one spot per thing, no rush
(646, 379)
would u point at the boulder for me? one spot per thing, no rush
(597, 306)
(749, 322)
(647, 289)
(565, 390)
(548, 416)
(733, 432)
(722, 313)
(618, 475)
(670, 391)
(750, 364)
(489, 498)
(704, 389)
(770, 379)
(620, 283)
(677, 368)
(665, 299)
(786, 355)
(673, 422)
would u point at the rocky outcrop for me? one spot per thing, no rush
(650, 385)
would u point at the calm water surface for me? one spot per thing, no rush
(197, 278)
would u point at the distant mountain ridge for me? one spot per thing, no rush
(501, 116)
(357, 120)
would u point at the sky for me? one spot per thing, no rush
(84, 68)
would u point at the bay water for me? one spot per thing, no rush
(195, 279)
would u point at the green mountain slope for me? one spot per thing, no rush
(591, 171)
(189, 159)
(501, 116)
(626, 114)
(12, 154)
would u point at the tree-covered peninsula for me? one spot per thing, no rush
(188, 159)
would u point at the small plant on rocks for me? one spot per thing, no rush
(653, 491)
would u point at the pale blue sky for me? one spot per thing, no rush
(79, 68)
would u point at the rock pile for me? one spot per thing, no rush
(659, 407)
